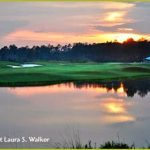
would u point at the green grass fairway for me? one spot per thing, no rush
(59, 72)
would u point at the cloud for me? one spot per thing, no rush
(133, 19)
(8, 26)
(88, 22)
(139, 27)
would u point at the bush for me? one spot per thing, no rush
(118, 145)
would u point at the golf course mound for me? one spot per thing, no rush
(38, 73)
(136, 69)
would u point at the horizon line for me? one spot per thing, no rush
(129, 40)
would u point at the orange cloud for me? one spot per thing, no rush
(37, 38)
(45, 37)
(115, 16)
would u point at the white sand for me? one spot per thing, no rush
(24, 66)
(30, 65)
(14, 66)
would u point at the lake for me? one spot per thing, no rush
(98, 112)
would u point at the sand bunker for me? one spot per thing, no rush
(24, 66)
(30, 65)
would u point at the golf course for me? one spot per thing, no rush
(46, 73)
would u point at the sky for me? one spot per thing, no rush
(38, 23)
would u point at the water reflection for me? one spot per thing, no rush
(116, 110)
(110, 101)
(127, 87)
(130, 87)
(99, 109)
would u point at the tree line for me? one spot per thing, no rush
(128, 51)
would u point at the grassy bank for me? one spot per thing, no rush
(58, 72)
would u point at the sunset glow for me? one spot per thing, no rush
(119, 118)
(63, 23)
(55, 38)
(121, 37)
(114, 106)
(64, 88)
(116, 110)
(74, 74)
(114, 16)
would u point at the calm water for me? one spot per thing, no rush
(99, 112)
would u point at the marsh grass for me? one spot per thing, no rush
(116, 145)
(73, 141)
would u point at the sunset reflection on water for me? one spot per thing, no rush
(99, 111)
(66, 87)
(110, 103)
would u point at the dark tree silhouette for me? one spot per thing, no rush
(128, 51)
